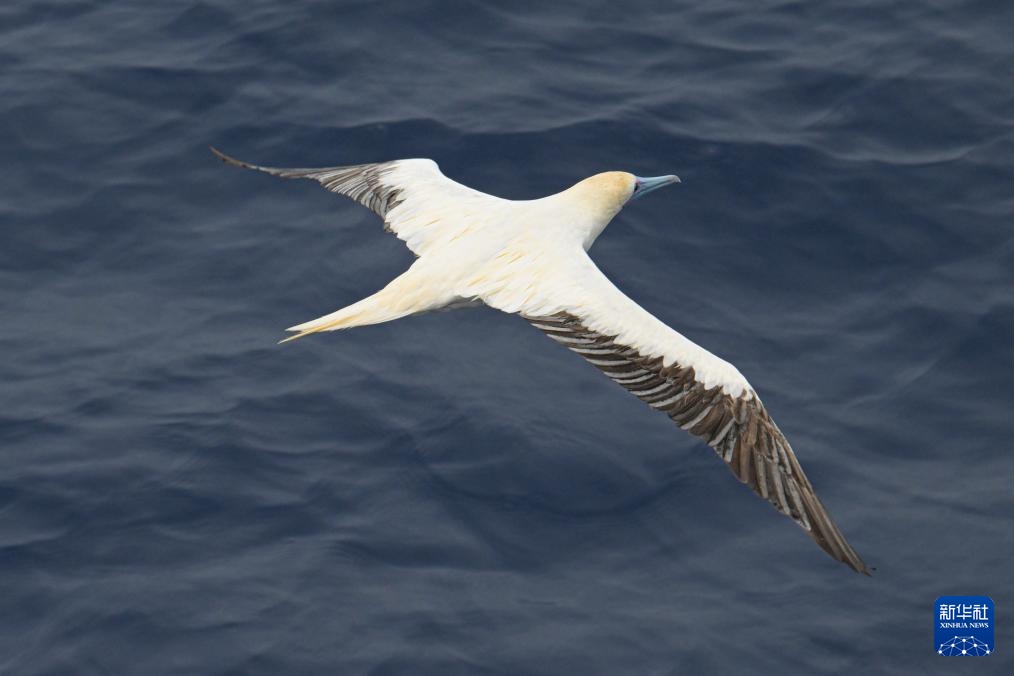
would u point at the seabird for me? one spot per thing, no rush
(530, 258)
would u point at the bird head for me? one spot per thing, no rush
(603, 195)
(608, 192)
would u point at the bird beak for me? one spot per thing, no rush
(643, 186)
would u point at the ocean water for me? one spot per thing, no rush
(453, 493)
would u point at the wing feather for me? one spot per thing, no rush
(583, 311)
(738, 428)
(415, 200)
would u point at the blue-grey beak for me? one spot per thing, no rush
(643, 186)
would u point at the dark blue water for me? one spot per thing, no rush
(453, 493)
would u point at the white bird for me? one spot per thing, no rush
(530, 258)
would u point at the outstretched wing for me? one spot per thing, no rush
(583, 311)
(418, 203)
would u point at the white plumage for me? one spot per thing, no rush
(530, 258)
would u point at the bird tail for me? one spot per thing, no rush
(357, 314)
(405, 295)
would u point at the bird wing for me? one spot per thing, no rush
(417, 202)
(583, 311)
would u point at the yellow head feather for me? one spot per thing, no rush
(605, 194)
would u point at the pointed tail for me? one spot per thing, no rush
(409, 293)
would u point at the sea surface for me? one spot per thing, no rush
(453, 493)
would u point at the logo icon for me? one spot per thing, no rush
(964, 626)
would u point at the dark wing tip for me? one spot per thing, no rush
(237, 163)
(824, 530)
(857, 564)
(274, 171)
(860, 567)
(851, 559)
(854, 561)
(225, 158)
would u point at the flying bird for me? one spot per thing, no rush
(530, 258)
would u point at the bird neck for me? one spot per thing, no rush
(586, 212)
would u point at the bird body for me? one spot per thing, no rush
(530, 258)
